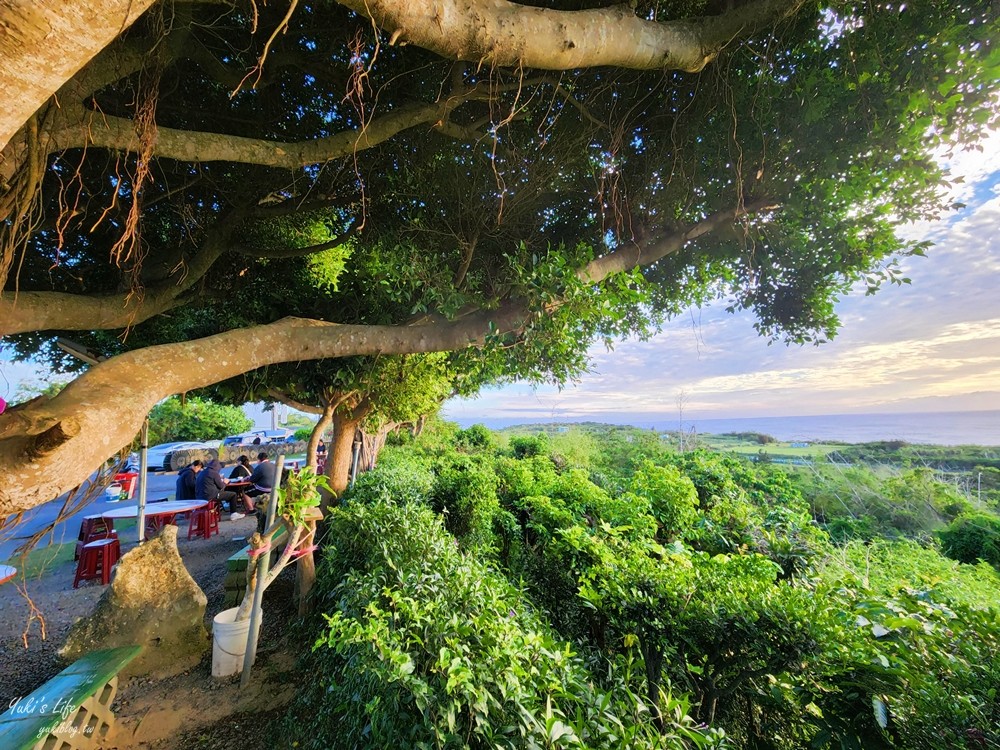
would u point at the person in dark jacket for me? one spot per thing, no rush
(187, 481)
(242, 469)
(263, 475)
(263, 481)
(211, 486)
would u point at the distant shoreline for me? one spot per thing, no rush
(935, 428)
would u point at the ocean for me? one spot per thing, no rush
(941, 428)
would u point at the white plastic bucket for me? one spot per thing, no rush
(113, 491)
(229, 643)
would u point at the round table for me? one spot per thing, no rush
(169, 508)
(6, 573)
(157, 515)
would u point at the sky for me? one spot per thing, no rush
(932, 345)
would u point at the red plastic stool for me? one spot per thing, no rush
(91, 529)
(203, 522)
(93, 536)
(97, 560)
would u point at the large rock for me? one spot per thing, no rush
(153, 602)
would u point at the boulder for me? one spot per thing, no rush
(153, 602)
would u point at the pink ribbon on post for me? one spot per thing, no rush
(302, 551)
(259, 550)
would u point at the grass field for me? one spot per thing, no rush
(778, 449)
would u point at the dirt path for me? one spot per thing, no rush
(190, 710)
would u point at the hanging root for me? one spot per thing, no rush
(20, 204)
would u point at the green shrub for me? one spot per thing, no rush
(523, 446)
(424, 647)
(973, 537)
(671, 496)
(393, 480)
(477, 438)
(465, 492)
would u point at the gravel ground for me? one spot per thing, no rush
(36, 615)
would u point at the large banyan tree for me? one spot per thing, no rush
(228, 185)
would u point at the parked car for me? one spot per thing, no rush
(158, 457)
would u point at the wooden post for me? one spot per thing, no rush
(305, 570)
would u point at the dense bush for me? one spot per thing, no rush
(545, 603)
(973, 537)
(465, 492)
(424, 647)
(397, 478)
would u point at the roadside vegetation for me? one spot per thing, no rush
(601, 589)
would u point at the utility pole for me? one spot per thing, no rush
(979, 487)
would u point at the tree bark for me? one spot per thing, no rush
(501, 33)
(340, 452)
(44, 43)
(325, 419)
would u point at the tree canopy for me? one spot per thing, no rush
(503, 181)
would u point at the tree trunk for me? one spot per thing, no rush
(305, 569)
(340, 453)
(45, 42)
(325, 419)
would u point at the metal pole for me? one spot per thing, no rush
(263, 565)
(979, 487)
(143, 458)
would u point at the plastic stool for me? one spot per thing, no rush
(93, 536)
(91, 529)
(97, 560)
(203, 522)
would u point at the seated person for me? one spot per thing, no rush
(186, 481)
(240, 473)
(242, 470)
(263, 480)
(211, 486)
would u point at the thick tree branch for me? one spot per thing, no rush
(504, 33)
(296, 252)
(45, 42)
(118, 133)
(629, 256)
(59, 311)
(106, 406)
(287, 400)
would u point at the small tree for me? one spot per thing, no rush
(296, 500)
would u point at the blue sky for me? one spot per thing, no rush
(933, 345)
